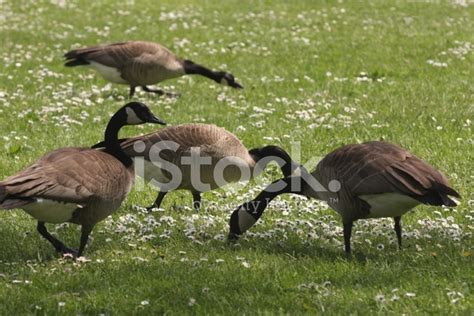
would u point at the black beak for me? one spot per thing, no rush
(235, 85)
(155, 120)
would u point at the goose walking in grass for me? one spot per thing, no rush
(78, 185)
(370, 180)
(139, 64)
(222, 149)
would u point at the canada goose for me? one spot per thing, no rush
(77, 185)
(176, 145)
(139, 63)
(370, 180)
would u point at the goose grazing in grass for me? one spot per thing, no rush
(169, 152)
(370, 180)
(78, 185)
(140, 64)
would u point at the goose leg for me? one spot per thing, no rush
(157, 91)
(197, 200)
(347, 236)
(57, 244)
(160, 92)
(132, 91)
(398, 230)
(158, 200)
(85, 232)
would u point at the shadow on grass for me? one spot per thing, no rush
(23, 245)
(299, 250)
(20, 244)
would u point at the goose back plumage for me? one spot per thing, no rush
(139, 63)
(369, 180)
(212, 141)
(88, 178)
(169, 159)
(378, 168)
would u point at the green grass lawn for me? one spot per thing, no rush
(321, 74)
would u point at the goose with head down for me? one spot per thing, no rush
(140, 63)
(198, 158)
(370, 180)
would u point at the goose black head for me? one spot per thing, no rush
(139, 113)
(278, 154)
(228, 79)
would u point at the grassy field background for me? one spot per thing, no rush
(321, 74)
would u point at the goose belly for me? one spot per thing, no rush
(96, 211)
(388, 204)
(109, 73)
(51, 211)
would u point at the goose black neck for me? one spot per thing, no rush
(112, 145)
(192, 68)
(274, 151)
(256, 206)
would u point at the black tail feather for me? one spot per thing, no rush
(445, 192)
(439, 194)
(14, 203)
(447, 201)
(76, 62)
(436, 199)
(72, 54)
(7, 202)
(3, 193)
(76, 58)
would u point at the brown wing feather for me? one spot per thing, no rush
(153, 65)
(212, 140)
(116, 55)
(379, 167)
(69, 175)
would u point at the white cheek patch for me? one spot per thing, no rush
(224, 81)
(132, 118)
